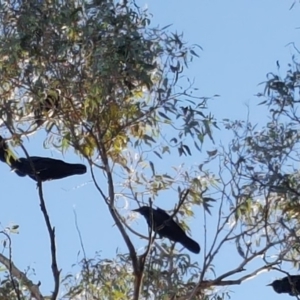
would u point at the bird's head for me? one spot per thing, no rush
(276, 285)
(144, 210)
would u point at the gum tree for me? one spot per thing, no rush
(100, 80)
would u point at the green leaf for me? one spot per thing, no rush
(212, 153)
(152, 168)
(187, 149)
(15, 227)
(163, 115)
(194, 53)
(157, 154)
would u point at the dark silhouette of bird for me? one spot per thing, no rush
(47, 168)
(289, 285)
(164, 226)
(44, 168)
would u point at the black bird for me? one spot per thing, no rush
(164, 226)
(289, 285)
(45, 168)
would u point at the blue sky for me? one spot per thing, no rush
(242, 40)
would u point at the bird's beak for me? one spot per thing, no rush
(270, 284)
(137, 210)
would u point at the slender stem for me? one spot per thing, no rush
(51, 231)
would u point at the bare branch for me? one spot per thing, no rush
(51, 231)
(218, 282)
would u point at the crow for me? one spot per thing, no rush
(164, 226)
(289, 285)
(44, 168)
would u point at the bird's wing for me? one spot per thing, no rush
(42, 163)
(163, 214)
(47, 161)
(168, 221)
(37, 161)
(36, 158)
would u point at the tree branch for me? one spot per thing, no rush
(218, 282)
(33, 288)
(110, 204)
(240, 268)
(51, 231)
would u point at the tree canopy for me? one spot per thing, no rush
(97, 78)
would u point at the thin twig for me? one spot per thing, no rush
(86, 265)
(239, 269)
(217, 282)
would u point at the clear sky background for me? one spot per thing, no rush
(242, 40)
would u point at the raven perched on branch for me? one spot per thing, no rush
(164, 226)
(289, 285)
(45, 168)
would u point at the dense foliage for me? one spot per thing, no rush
(99, 79)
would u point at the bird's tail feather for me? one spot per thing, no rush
(190, 245)
(77, 169)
